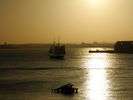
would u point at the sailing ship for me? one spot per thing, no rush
(57, 50)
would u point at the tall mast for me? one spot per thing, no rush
(58, 40)
(54, 42)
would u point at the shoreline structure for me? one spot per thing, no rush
(119, 47)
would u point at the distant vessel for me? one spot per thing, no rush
(57, 50)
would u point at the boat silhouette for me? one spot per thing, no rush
(57, 51)
(66, 89)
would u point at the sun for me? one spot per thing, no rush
(97, 2)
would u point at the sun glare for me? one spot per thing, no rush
(97, 2)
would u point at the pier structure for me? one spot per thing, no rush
(119, 47)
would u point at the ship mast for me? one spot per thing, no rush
(54, 42)
(58, 40)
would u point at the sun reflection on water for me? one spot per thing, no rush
(97, 61)
(96, 79)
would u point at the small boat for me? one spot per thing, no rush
(66, 89)
(101, 51)
(57, 51)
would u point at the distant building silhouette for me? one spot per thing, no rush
(123, 47)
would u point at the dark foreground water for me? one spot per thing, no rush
(29, 74)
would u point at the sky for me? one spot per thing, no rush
(74, 21)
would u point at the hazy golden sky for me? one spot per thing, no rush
(39, 21)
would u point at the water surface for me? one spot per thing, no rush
(29, 74)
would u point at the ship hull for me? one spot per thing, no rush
(57, 57)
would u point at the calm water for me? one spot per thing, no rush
(29, 74)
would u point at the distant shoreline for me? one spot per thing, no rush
(19, 46)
